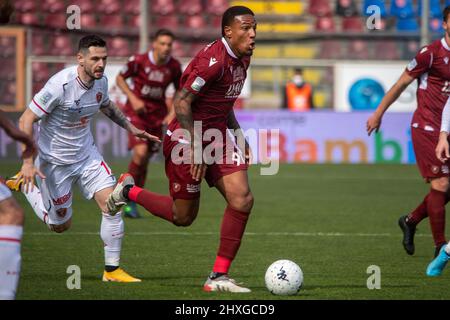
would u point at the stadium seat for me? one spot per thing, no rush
(387, 50)
(178, 50)
(411, 48)
(435, 9)
(61, 45)
(113, 21)
(37, 86)
(358, 50)
(320, 8)
(119, 47)
(216, 7)
(402, 8)
(196, 23)
(352, 24)
(40, 71)
(38, 44)
(24, 6)
(7, 46)
(109, 7)
(88, 21)
(53, 6)
(86, 6)
(190, 7)
(134, 21)
(8, 69)
(331, 49)
(163, 7)
(378, 3)
(215, 22)
(436, 25)
(407, 25)
(27, 18)
(132, 7)
(56, 20)
(346, 8)
(325, 24)
(167, 22)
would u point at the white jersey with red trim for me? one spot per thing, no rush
(65, 107)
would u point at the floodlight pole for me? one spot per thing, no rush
(424, 30)
(143, 30)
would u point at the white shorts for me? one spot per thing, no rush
(5, 193)
(91, 175)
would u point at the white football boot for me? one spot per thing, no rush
(117, 199)
(223, 284)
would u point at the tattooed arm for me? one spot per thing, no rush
(116, 115)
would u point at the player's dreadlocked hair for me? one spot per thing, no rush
(91, 40)
(231, 13)
(6, 9)
(446, 13)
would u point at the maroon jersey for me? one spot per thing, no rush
(432, 69)
(216, 76)
(150, 82)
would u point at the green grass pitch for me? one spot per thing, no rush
(333, 220)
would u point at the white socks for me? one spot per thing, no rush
(111, 232)
(35, 199)
(10, 237)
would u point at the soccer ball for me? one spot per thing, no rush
(284, 277)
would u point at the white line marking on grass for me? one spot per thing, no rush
(275, 234)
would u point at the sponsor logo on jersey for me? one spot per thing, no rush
(212, 61)
(445, 169)
(198, 83)
(434, 169)
(238, 74)
(62, 200)
(156, 76)
(412, 65)
(99, 97)
(235, 89)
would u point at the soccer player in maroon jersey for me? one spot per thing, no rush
(151, 73)
(431, 68)
(209, 87)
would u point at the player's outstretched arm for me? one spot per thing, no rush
(137, 104)
(28, 170)
(374, 122)
(116, 115)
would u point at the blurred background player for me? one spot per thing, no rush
(6, 9)
(298, 94)
(11, 220)
(430, 68)
(67, 153)
(147, 107)
(209, 86)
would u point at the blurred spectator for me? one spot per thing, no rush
(346, 8)
(298, 95)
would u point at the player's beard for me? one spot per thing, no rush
(92, 74)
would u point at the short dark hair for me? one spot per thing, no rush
(91, 40)
(445, 13)
(163, 32)
(231, 13)
(298, 70)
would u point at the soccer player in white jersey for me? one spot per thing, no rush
(11, 221)
(67, 153)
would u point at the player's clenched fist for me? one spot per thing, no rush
(373, 123)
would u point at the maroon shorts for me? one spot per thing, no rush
(148, 126)
(425, 143)
(181, 183)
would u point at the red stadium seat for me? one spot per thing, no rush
(40, 71)
(196, 47)
(8, 69)
(387, 50)
(195, 23)
(7, 47)
(109, 6)
(134, 21)
(118, 47)
(88, 21)
(358, 50)
(178, 49)
(190, 7)
(352, 24)
(216, 22)
(56, 20)
(54, 6)
(86, 6)
(325, 24)
(331, 49)
(168, 22)
(61, 45)
(111, 21)
(163, 7)
(346, 8)
(38, 47)
(132, 7)
(320, 8)
(28, 18)
(216, 7)
(25, 6)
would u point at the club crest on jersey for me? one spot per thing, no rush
(99, 97)
(176, 187)
(45, 98)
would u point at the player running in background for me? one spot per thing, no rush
(146, 108)
(432, 70)
(209, 87)
(67, 154)
(11, 220)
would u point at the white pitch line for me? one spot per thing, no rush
(276, 234)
